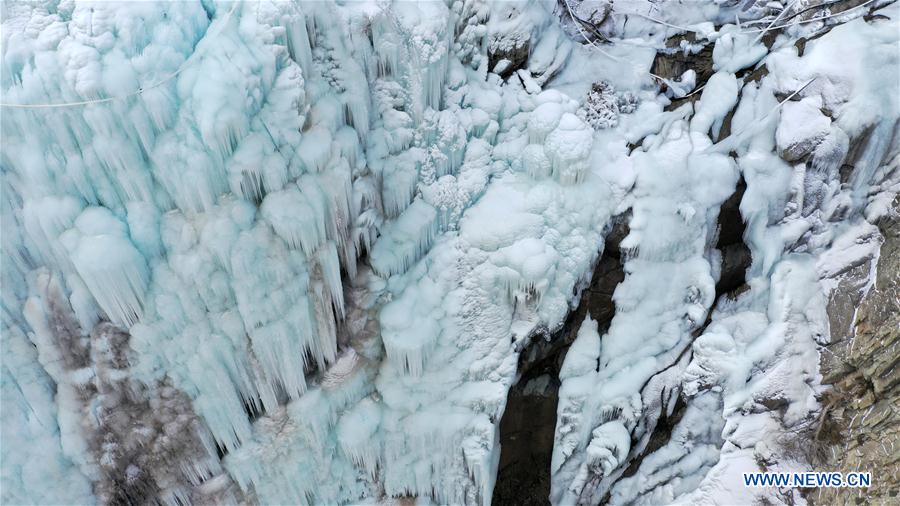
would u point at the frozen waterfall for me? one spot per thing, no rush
(291, 252)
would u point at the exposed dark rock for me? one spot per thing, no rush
(508, 53)
(526, 442)
(148, 445)
(859, 429)
(529, 422)
(857, 147)
(145, 438)
(800, 45)
(661, 435)
(674, 62)
(735, 253)
(618, 230)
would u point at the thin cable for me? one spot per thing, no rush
(763, 30)
(659, 21)
(65, 104)
(811, 8)
(794, 15)
(577, 20)
(696, 90)
(813, 20)
(792, 95)
(766, 29)
(191, 59)
(589, 41)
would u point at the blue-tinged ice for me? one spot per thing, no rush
(290, 252)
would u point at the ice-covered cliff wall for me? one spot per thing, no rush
(289, 252)
(201, 190)
(682, 395)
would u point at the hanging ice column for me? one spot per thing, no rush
(413, 42)
(357, 433)
(405, 240)
(111, 267)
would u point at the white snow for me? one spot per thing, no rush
(332, 229)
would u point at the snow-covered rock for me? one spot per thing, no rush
(291, 252)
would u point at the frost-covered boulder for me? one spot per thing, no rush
(801, 129)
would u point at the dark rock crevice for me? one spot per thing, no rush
(661, 435)
(529, 422)
(735, 253)
(654, 433)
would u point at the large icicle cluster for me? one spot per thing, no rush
(209, 205)
(290, 252)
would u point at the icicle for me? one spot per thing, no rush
(329, 266)
(125, 166)
(348, 145)
(337, 186)
(399, 179)
(183, 166)
(226, 421)
(364, 206)
(294, 219)
(358, 106)
(357, 432)
(351, 390)
(543, 120)
(404, 241)
(322, 310)
(409, 334)
(568, 147)
(480, 460)
(425, 459)
(298, 43)
(111, 267)
(45, 220)
(388, 45)
(275, 346)
(143, 224)
(535, 162)
(315, 149)
(407, 352)
(256, 168)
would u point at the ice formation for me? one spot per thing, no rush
(290, 252)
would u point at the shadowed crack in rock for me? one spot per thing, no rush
(735, 259)
(528, 424)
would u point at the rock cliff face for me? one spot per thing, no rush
(454, 252)
(860, 420)
(526, 429)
